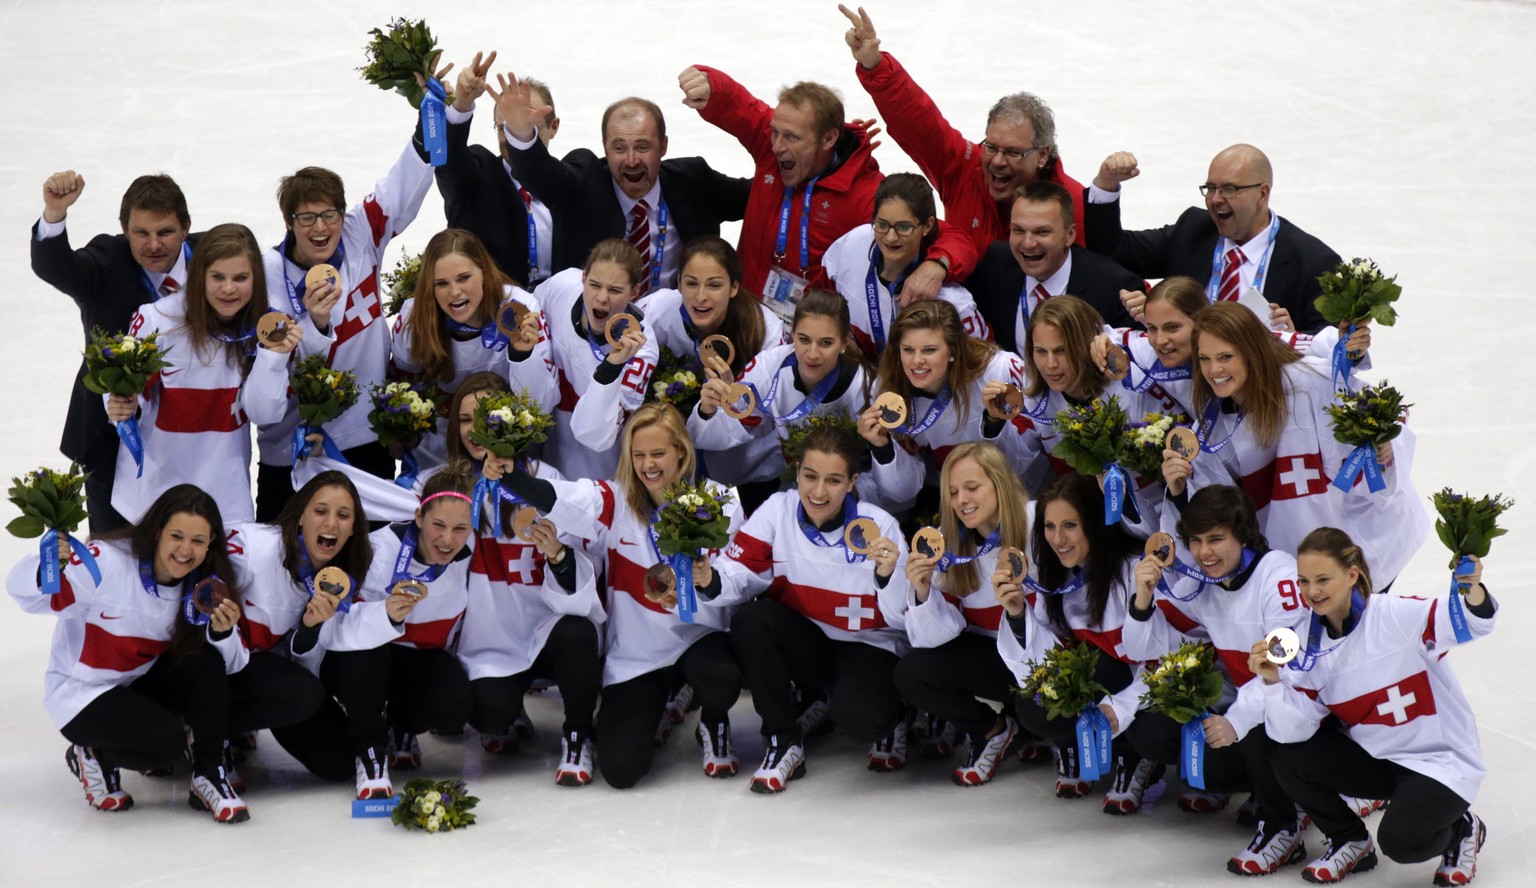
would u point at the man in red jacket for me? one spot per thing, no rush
(975, 182)
(815, 180)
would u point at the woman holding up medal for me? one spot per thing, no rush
(295, 574)
(870, 263)
(953, 615)
(833, 621)
(1058, 346)
(464, 335)
(193, 417)
(1230, 587)
(533, 608)
(935, 383)
(392, 646)
(603, 350)
(142, 651)
(646, 638)
(1408, 734)
(817, 374)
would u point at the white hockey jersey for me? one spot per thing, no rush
(431, 625)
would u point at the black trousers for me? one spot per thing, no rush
(1247, 764)
(98, 492)
(569, 658)
(271, 691)
(780, 650)
(945, 681)
(1421, 823)
(1111, 673)
(626, 725)
(274, 483)
(320, 742)
(424, 690)
(139, 726)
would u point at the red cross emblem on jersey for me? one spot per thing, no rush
(362, 308)
(1394, 705)
(1299, 476)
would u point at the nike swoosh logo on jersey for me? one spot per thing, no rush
(103, 615)
(624, 542)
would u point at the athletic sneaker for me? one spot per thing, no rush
(1340, 860)
(211, 792)
(715, 746)
(1198, 801)
(1363, 807)
(1459, 865)
(1130, 784)
(938, 740)
(103, 784)
(230, 774)
(1269, 850)
(811, 709)
(405, 754)
(500, 744)
(575, 760)
(373, 775)
(522, 726)
(783, 761)
(681, 702)
(985, 755)
(1069, 783)
(889, 753)
(663, 731)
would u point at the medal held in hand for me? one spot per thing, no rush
(413, 588)
(273, 327)
(739, 401)
(208, 594)
(1012, 560)
(860, 534)
(1117, 364)
(1160, 549)
(1007, 403)
(617, 325)
(523, 521)
(509, 318)
(334, 581)
(1183, 441)
(928, 542)
(717, 346)
(1281, 646)
(893, 410)
(320, 275)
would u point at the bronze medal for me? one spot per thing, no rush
(1007, 403)
(1281, 646)
(208, 594)
(1160, 549)
(273, 327)
(1012, 559)
(739, 401)
(523, 521)
(928, 542)
(860, 534)
(509, 318)
(616, 327)
(893, 410)
(414, 588)
(660, 581)
(334, 581)
(1117, 364)
(718, 346)
(320, 275)
(1182, 441)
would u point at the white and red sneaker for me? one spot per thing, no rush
(405, 754)
(211, 792)
(230, 774)
(1459, 865)
(1069, 782)
(1269, 850)
(103, 784)
(889, 753)
(986, 753)
(1130, 785)
(1363, 807)
(715, 747)
(575, 760)
(812, 709)
(1340, 860)
(782, 762)
(500, 744)
(373, 775)
(681, 702)
(1198, 801)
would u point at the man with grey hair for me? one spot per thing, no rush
(976, 182)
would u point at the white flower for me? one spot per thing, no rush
(1049, 691)
(128, 344)
(660, 388)
(687, 378)
(525, 417)
(502, 413)
(1191, 662)
(434, 824)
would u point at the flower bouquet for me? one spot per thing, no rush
(403, 412)
(1142, 443)
(395, 57)
(1356, 290)
(121, 364)
(1090, 444)
(51, 503)
(793, 445)
(434, 806)
(1467, 526)
(1184, 686)
(1062, 684)
(400, 282)
(506, 424)
(692, 521)
(675, 382)
(322, 395)
(1364, 420)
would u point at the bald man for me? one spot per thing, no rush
(1235, 244)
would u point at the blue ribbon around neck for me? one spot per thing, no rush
(1309, 655)
(1115, 482)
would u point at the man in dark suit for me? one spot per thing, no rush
(630, 192)
(1234, 244)
(480, 193)
(109, 279)
(1039, 260)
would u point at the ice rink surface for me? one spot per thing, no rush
(1400, 131)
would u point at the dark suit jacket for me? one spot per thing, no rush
(580, 194)
(478, 196)
(1186, 247)
(107, 286)
(998, 280)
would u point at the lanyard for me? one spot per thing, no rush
(850, 511)
(296, 291)
(805, 226)
(248, 337)
(660, 253)
(403, 561)
(935, 410)
(874, 289)
(811, 401)
(950, 559)
(154, 292)
(1072, 585)
(1214, 285)
(307, 575)
(1310, 654)
(1208, 424)
(491, 336)
(1155, 374)
(533, 235)
(189, 610)
(1185, 570)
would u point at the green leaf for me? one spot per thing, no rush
(27, 527)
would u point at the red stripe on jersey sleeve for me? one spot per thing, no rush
(988, 618)
(118, 653)
(568, 396)
(257, 637)
(62, 599)
(628, 577)
(378, 222)
(610, 502)
(1108, 642)
(430, 635)
(1175, 617)
(1428, 638)
(190, 411)
(750, 552)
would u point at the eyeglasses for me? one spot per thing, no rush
(902, 229)
(1012, 155)
(1225, 190)
(308, 220)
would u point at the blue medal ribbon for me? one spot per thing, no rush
(48, 561)
(533, 239)
(1093, 743)
(1213, 286)
(659, 246)
(1072, 585)
(133, 439)
(403, 558)
(1309, 655)
(682, 570)
(434, 122)
(189, 611)
(301, 446)
(874, 290)
(1361, 460)
(485, 489)
(950, 559)
(1192, 745)
(1185, 570)
(1155, 374)
(935, 410)
(491, 336)
(1208, 424)
(307, 575)
(850, 512)
(410, 467)
(1456, 610)
(813, 400)
(296, 291)
(782, 244)
(1115, 481)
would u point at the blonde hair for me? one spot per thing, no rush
(645, 416)
(1264, 357)
(1012, 512)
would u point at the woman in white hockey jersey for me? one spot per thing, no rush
(192, 417)
(461, 336)
(134, 663)
(599, 383)
(392, 647)
(869, 264)
(1405, 731)
(814, 614)
(953, 615)
(646, 639)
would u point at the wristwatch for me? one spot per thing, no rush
(560, 558)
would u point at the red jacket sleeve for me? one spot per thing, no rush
(738, 112)
(958, 247)
(913, 120)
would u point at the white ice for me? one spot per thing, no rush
(1401, 131)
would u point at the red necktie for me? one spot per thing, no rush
(527, 199)
(1041, 294)
(169, 286)
(639, 235)
(1230, 277)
